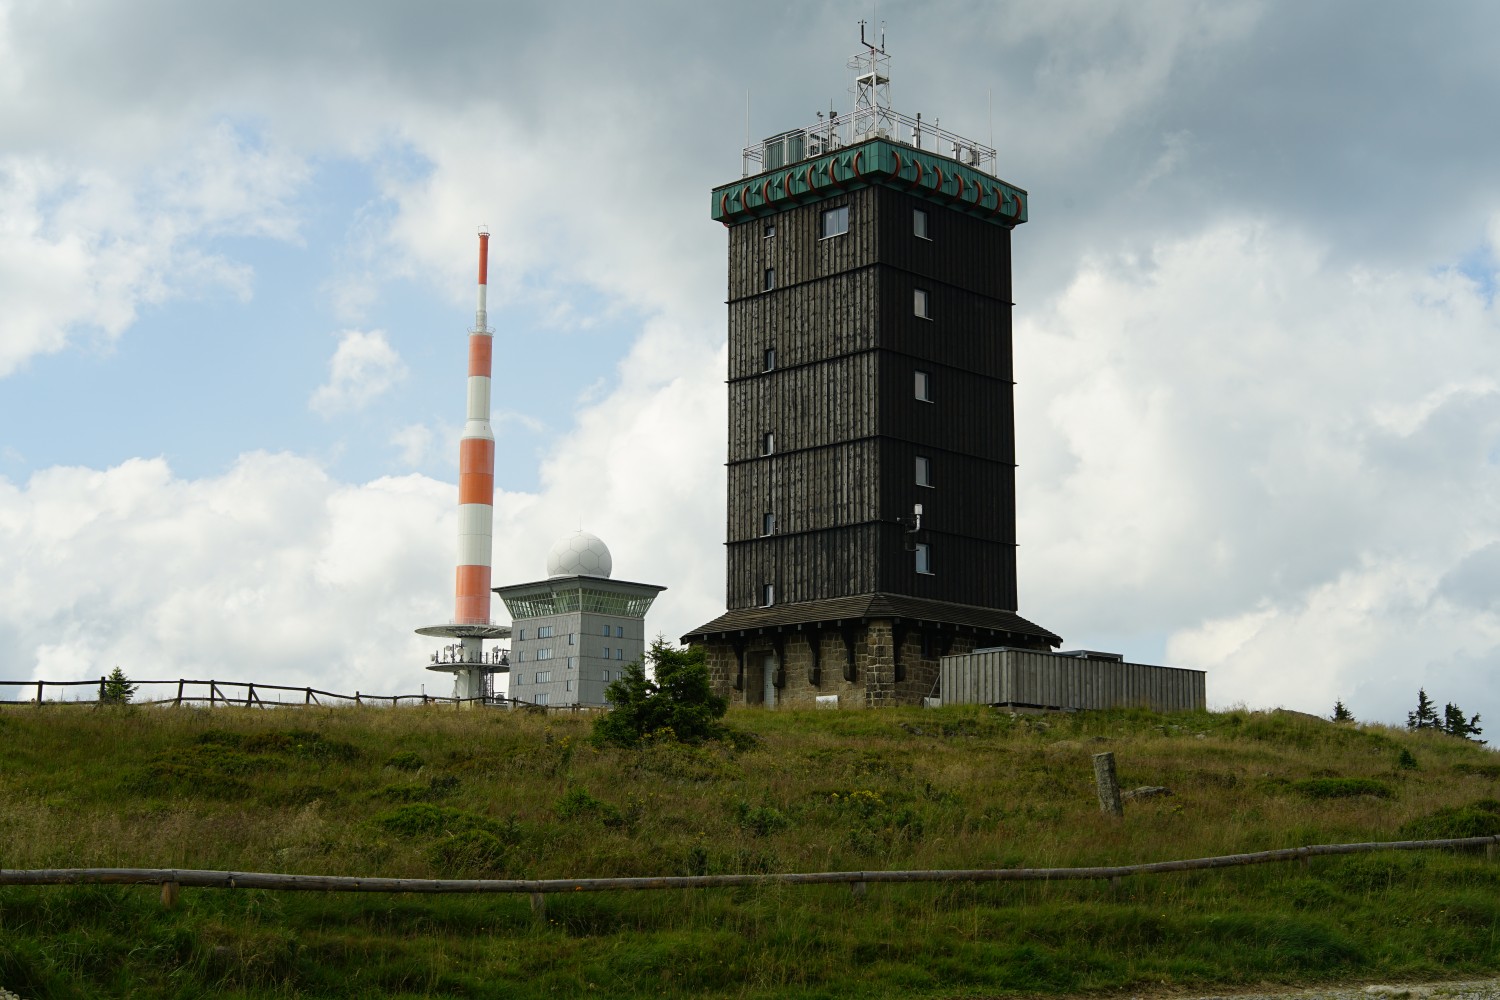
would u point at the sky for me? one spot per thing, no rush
(1256, 344)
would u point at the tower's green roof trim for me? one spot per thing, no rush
(938, 179)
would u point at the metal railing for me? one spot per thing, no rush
(836, 132)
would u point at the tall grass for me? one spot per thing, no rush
(436, 792)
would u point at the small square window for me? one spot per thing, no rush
(921, 303)
(770, 278)
(768, 443)
(924, 558)
(922, 385)
(768, 360)
(619, 654)
(768, 594)
(606, 630)
(770, 230)
(924, 471)
(919, 224)
(768, 523)
(835, 221)
(619, 631)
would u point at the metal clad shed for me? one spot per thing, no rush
(1027, 678)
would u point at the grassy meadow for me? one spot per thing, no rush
(438, 793)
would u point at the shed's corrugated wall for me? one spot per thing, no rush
(1020, 677)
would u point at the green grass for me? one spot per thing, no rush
(438, 793)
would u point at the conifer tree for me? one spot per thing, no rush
(1454, 723)
(117, 688)
(1341, 713)
(1425, 717)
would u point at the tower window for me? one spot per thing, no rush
(924, 471)
(572, 637)
(767, 594)
(572, 662)
(570, 684)
(606, 630)
(544, 632)
(919, 223)
(540, 698)
(770, 230)
(922, 303)
(923, 386)
(836, 221)
(770, 278)
(521, 635)
(520, 656)
(619, 654)
(604, 675)
(768, 443)
(544, 677)
(768, 523)
(924, 558)
(768, 360)
(619, 631)
(544, 654)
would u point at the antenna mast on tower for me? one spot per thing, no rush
(873, 117)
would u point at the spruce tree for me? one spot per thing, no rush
(1341, 713)
(1425, 717)
(117, 688)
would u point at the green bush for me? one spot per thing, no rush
(406, 761)
(1341, 788)
(469, 853)
(677, 705)
(760, 820)
(1477, 819)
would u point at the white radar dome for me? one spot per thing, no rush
(580, 554)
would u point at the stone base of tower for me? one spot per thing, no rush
(869, 651)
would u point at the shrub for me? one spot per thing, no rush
(761, 820)
(678, 704)
(469, 852)
(406, 761)
(1477, 819)
(1341, 788)
(1405, 761)
(578, 803)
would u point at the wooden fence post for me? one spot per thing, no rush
(179, 694)
(39, 693)
(101, 690)
(539, 905)
(213, 692)
(169, 893)
(1109, 784)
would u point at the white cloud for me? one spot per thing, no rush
(270, 572)
(414, 443)
(363, 367)
(1275, 459)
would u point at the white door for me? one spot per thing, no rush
(768, 671)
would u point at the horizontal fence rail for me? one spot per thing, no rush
(247, 694)
(175, 877)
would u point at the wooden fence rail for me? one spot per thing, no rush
(217, 692)
(172, 878)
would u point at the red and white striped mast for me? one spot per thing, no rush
(471, 625)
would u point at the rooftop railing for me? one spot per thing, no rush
(836, 132)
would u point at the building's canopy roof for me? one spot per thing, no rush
(863, 607)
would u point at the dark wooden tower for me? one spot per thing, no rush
(871, 460)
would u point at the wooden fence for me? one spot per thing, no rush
(171, 879)
(215, 693)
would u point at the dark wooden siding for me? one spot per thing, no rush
(806, 323)
(809, 490)
(842, 406)
(806, 567)
(797, 251)
(805, 407)
(968, 413)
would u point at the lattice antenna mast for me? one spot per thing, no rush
(872, 89)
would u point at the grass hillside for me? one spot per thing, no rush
(440, 793)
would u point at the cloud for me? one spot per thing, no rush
(414, 442)
(1282, 462)
(270, 572)
(363, 367)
